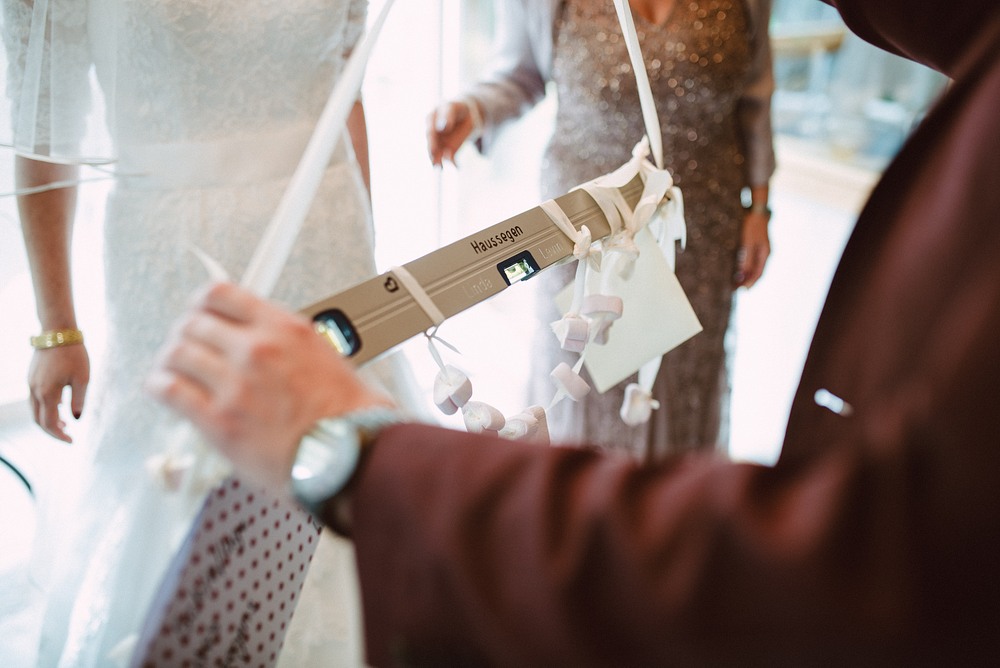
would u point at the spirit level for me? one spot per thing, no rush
(375, 315)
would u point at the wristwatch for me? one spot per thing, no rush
(328, 456)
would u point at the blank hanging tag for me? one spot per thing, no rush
(656, 317)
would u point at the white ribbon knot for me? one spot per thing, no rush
(481, 417)
(638, 405)
(572, 331)
(531, 424)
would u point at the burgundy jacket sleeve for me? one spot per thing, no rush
(474, 551)
(873, 541)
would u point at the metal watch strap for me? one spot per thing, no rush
(328, 456)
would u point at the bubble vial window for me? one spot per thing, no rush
(518, 268)
(337, 329)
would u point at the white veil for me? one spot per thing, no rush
(56, 83)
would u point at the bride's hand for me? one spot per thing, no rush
(52, 370)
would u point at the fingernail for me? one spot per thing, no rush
(77, 414)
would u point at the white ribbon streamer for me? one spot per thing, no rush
(660, 204)
(559, 218)
(649, 115)
(582, 250)
(419, 295)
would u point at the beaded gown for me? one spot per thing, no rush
(697, 62)
(212, 104)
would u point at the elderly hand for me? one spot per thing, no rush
(254, 378)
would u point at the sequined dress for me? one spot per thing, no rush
(697, 63)
(213, 103)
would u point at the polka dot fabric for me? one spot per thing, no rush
(229, 596)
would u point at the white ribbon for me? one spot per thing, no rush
(419, 295)
(649, 115)
(583, 248)
(452, 389)
(669, 226)
(660, 201)
(481, 417)
(660, 205)
(531, 424)
(602, 310)
(638, 405)
(582, 239)
(572, 331)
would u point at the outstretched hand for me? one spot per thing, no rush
(448, 127)
(254, 378)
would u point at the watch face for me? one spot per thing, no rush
(328, 455)
(325, 461)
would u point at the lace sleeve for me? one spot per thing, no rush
(754, 107)
(49, 83)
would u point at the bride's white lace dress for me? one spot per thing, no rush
(210, 103)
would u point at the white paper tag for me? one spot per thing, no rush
(656, 318)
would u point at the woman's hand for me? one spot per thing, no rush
(448, 127)
(755, 248)
(52, 370)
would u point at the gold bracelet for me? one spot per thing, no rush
(55, 338)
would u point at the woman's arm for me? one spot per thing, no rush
(755, 243)
(754, 106)
(754, 118)
(357, 128)
(515, 81)
(47, 223)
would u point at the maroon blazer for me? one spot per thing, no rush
(875, 539)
